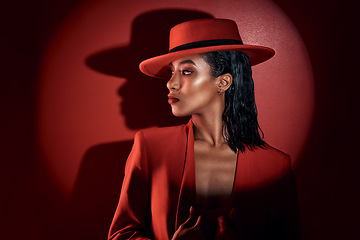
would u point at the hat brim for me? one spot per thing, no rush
(159, 66)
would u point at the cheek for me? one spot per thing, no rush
(199, 88)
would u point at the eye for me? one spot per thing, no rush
(186, 72)
(171, 72)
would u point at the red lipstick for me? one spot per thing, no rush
(172, 99)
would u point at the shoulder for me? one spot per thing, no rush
(161, 144)
(272, 153)
(157, 132)
(162, 136)
(265, 165)
(269, 152)
(269, 158)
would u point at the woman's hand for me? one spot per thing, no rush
(227, 230)
(190, 229)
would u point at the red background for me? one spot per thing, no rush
(91, 92)
(32, 206)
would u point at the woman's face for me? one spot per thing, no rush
(192, 88)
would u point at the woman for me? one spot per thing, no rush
(213, 178)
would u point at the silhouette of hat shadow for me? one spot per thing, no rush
(144, 100)
(144, 103)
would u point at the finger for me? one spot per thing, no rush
(192, 211)
(198, 222)
(223, 223)
(191, 219)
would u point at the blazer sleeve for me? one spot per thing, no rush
(132, 216)
(285, 215)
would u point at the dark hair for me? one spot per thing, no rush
(241, 127)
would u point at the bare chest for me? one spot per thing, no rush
(214, 171)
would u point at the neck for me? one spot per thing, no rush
(209, 129)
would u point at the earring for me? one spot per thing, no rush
(220, 92)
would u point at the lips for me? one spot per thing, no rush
(172, 99)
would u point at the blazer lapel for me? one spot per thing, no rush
(187, 195)
(243, 175)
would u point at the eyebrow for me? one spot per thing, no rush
(184, 62)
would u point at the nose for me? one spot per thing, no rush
(173, 83)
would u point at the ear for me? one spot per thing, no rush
(224, 82)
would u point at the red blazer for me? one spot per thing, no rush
(159, 188)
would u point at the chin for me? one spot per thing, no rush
(180, 114)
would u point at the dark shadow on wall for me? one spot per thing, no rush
(96, 191)
(144, 104)
(144, 99)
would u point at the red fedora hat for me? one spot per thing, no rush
(200, 36)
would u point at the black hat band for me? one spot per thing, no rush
(206, 43)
